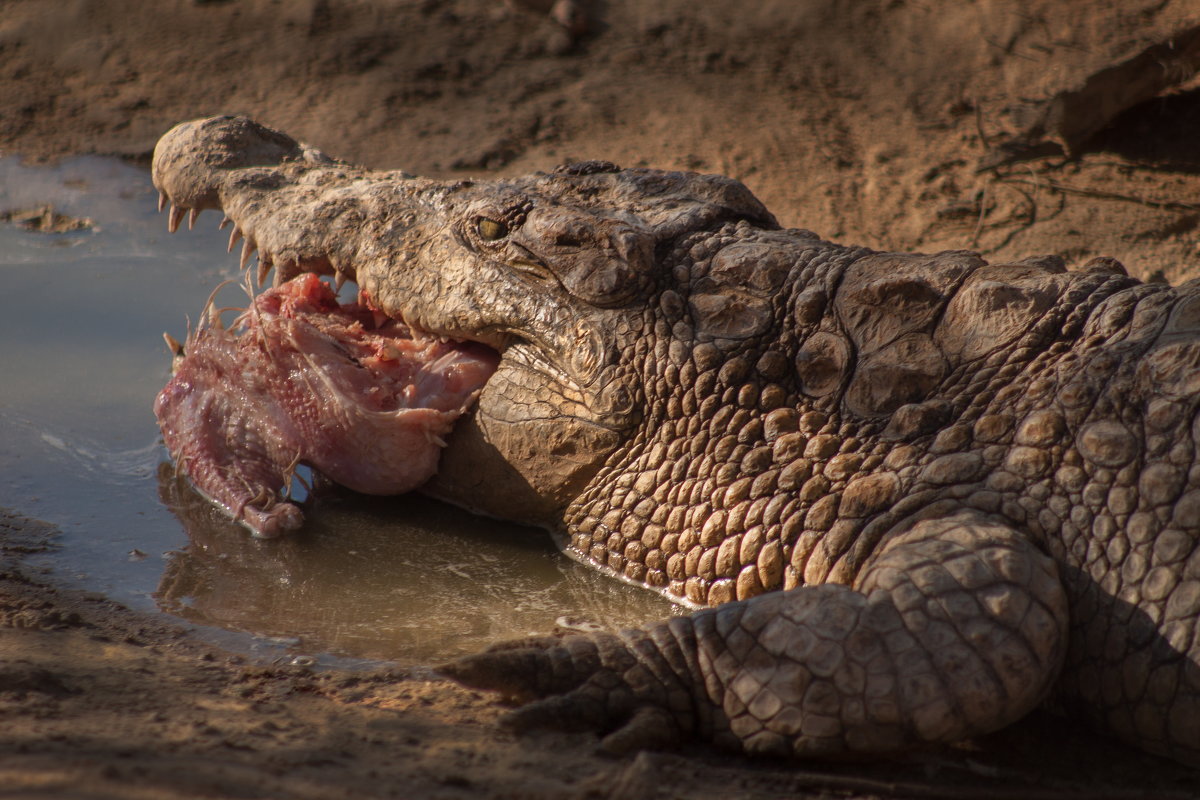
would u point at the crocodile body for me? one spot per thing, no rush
(910, 496)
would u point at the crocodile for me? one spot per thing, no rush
(904, 499)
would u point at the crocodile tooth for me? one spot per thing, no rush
(248, 248)
(362, 297)
(162, 201)
(224, 221)
(175, 217)
(264, 269)
(234, 235)
(286, 270)
(380, 318)
(193, 215)
(339, 280)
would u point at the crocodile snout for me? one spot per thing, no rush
(190, 160)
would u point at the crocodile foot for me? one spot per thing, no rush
(620, 685)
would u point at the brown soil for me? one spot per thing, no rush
(1059, 128)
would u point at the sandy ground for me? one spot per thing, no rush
(1064, 128)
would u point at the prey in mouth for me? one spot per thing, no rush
(302, 379)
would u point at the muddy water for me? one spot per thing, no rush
(81, 359)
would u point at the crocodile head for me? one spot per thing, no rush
(559, 273)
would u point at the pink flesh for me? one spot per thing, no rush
(304, 380)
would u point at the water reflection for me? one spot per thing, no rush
(405, 579)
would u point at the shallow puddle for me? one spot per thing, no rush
(82, 357)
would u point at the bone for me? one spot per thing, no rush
(173, 344)
(208, 314)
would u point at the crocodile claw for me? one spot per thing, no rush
(528, 669)
(575, 683)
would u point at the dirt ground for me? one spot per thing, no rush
(1010, 128)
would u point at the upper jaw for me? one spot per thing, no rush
(193, 160)
(388, 231)
(229, 164)
(299, 209)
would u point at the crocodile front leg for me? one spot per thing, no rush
(956, 627)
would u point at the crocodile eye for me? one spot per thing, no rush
(490, 230)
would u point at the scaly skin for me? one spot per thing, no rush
(975, 484)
